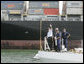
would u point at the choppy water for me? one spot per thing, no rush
(25, 56)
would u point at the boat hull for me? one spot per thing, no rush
(66, 56)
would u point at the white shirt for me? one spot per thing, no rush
(50, 33)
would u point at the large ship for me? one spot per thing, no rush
(27, 33)
(19, 30)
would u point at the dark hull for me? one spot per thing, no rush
(30, 30)
(33, 44)
(19, 30)
(26, 34)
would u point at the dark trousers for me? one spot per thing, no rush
(58, 47)
(59, 44)
(65, 43)
(50, 42)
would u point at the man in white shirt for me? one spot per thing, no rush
(50, 36)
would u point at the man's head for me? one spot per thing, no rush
(50, 25)
(56, 29)
(64, 30)
(49, 28)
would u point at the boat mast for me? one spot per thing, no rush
(40, 35)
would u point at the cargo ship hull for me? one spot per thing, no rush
(26, 34)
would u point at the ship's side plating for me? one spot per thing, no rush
(27, 34)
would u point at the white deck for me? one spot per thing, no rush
(67, 56)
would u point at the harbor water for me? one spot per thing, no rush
(25, 56)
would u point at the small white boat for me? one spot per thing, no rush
(67, 56)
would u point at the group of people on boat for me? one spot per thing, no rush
(56, 39)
